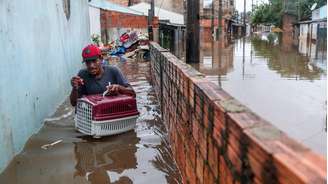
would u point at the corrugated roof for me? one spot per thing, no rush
(162, 14)
(106, 5)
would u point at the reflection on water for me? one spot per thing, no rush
(316, 52)
(95, 159)
(284, 87)
(288, 64)
(139, 156)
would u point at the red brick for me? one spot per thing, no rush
(191, 151)
(219, 124)
(180, 158)
(218, 132)
(270, 155)
(208, 175)
(225, 174)
(291, 167)
(213, 156)
(243, 120)
(235, 158)
(202, 142)
(195, 129)
(200, 167)
(213, 92)
(190, 172)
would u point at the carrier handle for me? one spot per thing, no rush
(105, 92)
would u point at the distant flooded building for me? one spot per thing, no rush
(168, 19)
(172, 37)
(264, 27)
(211, 8)
(316, 27)
(313, 37)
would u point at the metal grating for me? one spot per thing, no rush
(84, 117)
(118, 125)
(115, 127)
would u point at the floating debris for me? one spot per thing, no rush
(46, 146)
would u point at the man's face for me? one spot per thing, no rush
(93, 66)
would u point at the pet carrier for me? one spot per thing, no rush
(98, 115)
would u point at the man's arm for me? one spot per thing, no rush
(74, 96)
(76, 83)
(123, 86)
(116, 88)
(128, 91)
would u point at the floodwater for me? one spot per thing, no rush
(139, 156)
(278, 83)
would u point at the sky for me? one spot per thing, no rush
(240, 4)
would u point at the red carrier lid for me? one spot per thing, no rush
(111, 107)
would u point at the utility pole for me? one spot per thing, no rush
(151, 14)
(212, 20)
(244, 17)
(152, 8)
(220, 19)
(251, 25)
(299, 10)
(192, 42)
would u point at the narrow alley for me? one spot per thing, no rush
(139, 156)
(163, 92)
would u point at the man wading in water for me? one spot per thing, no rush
(95, 78)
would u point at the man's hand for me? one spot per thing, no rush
(115, 89)
(76, 82)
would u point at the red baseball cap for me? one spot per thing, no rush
(91, 52)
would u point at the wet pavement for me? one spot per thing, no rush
(282, 85)
(139, 156)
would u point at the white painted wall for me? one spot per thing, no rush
(304, 30)
(40, 52)
(94, 15)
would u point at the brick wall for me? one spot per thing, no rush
(110, 19)
(215, 139)
(120, 2)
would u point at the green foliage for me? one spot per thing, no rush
(305, 5)
(268, 13)
(272, 12)
(271, 37)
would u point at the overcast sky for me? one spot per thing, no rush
(240, 4)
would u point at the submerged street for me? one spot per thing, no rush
(279, 83)
(163, 92)
(139, 156)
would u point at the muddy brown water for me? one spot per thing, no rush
(139, 156)
(279, 83)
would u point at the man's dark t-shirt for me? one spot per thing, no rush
(94, 85)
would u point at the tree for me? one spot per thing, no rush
(268, 13)
(305, 7)
(272, 12)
